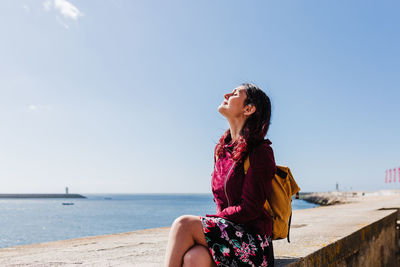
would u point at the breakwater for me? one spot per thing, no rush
(342, 197)
(41, 196)
(324, 198)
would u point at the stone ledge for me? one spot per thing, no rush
(342, 235)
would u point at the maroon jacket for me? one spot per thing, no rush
(240, 198)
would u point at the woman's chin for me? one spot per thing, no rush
(222, 110)
(224, 113)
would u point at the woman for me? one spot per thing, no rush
(239, 234)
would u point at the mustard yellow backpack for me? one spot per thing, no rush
(279, 206)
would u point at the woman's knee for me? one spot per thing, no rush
(189, 226)
(184, 222)
(198, 255)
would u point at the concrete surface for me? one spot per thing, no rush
(138, 248)
(339, 235)
(325, 235)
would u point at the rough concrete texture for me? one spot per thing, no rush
(355, 234)
(139, 248)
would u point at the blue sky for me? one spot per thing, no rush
(122, 96)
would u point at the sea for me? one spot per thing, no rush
(28, 221)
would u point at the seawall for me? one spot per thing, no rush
(341, 197)
(41, 196)
(361, 233)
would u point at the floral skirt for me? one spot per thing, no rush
(231, 244)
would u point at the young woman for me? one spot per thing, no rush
(239, 234)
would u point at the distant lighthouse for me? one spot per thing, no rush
(66, 190)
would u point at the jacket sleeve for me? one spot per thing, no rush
(256, 187)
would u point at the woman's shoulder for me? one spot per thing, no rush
(263, 148)
(262, 154)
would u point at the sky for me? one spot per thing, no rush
(121, 96)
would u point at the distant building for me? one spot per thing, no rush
(66, 190)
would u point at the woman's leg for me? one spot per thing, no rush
(198, 256)
(186, 232)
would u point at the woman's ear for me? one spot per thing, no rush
(249, 109)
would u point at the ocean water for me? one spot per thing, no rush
(27, 221)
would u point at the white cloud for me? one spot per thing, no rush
(26, 8)
(67, 9)
(47, 5)
(35, 108)
(32, 107)
(62, 23)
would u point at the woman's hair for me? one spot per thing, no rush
(255, 127)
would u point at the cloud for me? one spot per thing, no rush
(47, 5)
(62, 23)
(32, 107)
(26, 8)
(65, 8)
(35, 108)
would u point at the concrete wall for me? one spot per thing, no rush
(376, 244)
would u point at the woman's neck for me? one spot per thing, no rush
(235, 127)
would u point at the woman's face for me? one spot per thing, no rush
(232, 106)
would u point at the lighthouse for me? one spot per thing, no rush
(66, 190)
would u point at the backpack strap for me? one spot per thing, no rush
(246, 164)
(288, 232)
